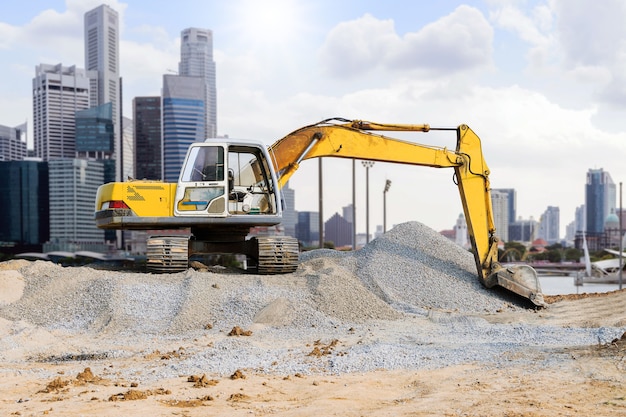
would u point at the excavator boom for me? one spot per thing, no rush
(358, 139)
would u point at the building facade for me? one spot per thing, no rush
(501, 209)
(128, 148)
(290, 217)
(58, 93)
(102, 56)
(523, 230)
(147, 135)
(183, 120)
(196, 59)
(73, 185)
(549, 225)
(600, 197)
(338, 230)
(94, 132)
(24, 218)
(307, 229)
(460, 232)
(13, 143)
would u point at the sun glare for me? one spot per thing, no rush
(273, 21)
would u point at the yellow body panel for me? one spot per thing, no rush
(145, 198)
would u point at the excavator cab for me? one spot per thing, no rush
(220, 180)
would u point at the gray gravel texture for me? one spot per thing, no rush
(408, 300)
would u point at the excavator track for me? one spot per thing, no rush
(277, 255)
(167, 254)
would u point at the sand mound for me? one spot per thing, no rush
(411, 269)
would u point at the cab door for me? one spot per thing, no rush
(202, 187)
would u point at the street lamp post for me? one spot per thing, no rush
(387, 185)
(621, 238)
(353, 204)
(367, 165)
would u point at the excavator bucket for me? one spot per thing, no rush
(519, 279)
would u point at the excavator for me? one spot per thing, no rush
(227, 186)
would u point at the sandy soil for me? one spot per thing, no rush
(584, 381)
(590, 381)
(590, 384)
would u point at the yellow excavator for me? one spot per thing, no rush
(226, 187)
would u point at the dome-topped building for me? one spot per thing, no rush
(611, 221)
(611, 230)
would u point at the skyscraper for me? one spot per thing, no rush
(13, 143)
(183, 120)
(307, 229)
(147, 117)
(102, 55)
(549, 226)
(460, 232)
(73, 185)
(600, 198)
(58, 93)
(338, 230)
(290, 217)
(196, 59)
(24, 218)
(500, 205)
(512, 199)
(94, 132)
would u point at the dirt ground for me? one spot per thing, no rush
(590, 381)
(560, 381)
(591, 384)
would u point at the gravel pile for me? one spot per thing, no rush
(393, 304)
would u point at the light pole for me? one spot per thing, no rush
(367, 165)
(621, 244)
(353, 204)
(387, 185)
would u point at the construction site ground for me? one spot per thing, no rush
(83, 341)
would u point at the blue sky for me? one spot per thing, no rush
(543, 83)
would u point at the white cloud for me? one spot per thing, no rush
(355, 47)
(590, 33)
(458, 42)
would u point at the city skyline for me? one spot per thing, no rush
(545, 99)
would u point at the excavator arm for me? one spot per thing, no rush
(358, 139)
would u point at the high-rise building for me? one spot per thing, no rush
(196, 59)
(147, 135)
(523, 230)
(460, 232)
(512, 201)
(307, 229)
(73, 185)
(13, 143)
(501, 210)
(600, 197)
(348, 214)
(128, 149)
(102, 55)
(290, 217)
(580, 218)
(549, 225)
(94, 137)
(58, 93)
(94, 132)
(338, 230)
(24, 219)
(183, 120)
